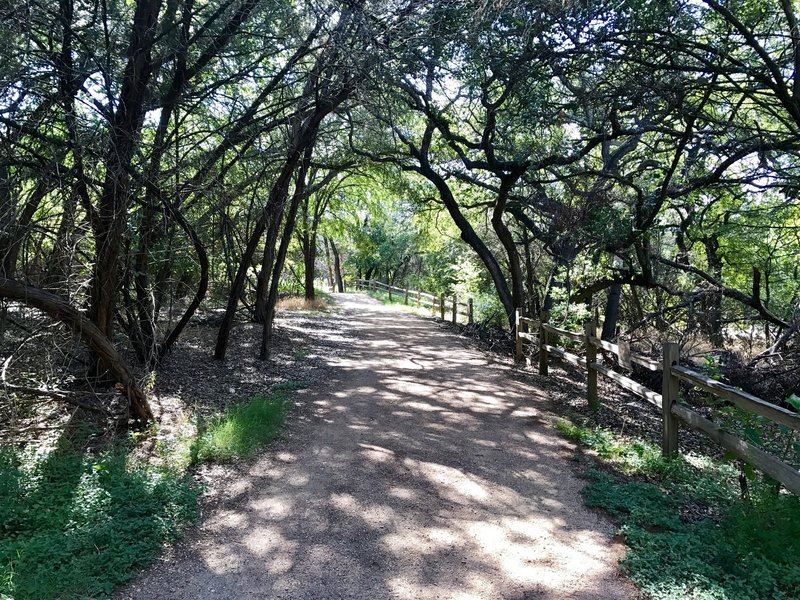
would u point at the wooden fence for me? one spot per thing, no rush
(448, 306)
(667, 402)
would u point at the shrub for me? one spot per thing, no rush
(689, 531)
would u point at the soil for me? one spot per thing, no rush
(414, 466)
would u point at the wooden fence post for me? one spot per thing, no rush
(419, 298)
(542, 344)
(441, 306)
(470, 317)
(519, 356)
(455, 309)
(405, 299)
(433, 305)
(670, 387)
(590, 331)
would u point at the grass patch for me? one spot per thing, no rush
(76, 526)
(690, 533)
(245, 428)
(321, 303)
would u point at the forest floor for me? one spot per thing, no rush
(414, 467)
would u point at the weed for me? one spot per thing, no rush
(630, 456)
(243, 429)
(300, 303)
(690, 534)
(74, 526)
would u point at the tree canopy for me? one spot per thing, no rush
(636, 160)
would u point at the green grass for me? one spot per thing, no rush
(690, 533)
(245, 428)
(75, 526)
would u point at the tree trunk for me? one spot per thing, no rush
(611, 314)
(337, 268)
(270, 214)
(329, 264)
(309, 265)
(507, 241)
(280, 257)
(200, 293)
(470, 237)
(713, 301)
(114, 200)
(305, 131)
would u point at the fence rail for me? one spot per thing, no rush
(448, 306)
(667, 401)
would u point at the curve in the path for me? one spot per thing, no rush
(425, 473)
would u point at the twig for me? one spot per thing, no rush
(63, 395)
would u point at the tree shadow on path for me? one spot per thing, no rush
(423, 473)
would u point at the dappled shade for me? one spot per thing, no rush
(425, 472)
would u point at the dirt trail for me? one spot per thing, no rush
(424, 472)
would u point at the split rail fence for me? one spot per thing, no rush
(667, 401)
(447, 306)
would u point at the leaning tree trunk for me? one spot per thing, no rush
(280, 257)
(272, 209)
(469, 235)
(100, 345)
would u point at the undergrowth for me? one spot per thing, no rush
(76, 525)
(243, 429)
(321, 302)
(690, 532)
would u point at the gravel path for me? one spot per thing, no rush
(415, 470)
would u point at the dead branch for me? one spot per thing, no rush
(55, 394)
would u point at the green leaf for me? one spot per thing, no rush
(794, 401)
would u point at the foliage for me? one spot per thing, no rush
(689, 532)
(244, 428)
(76, 525)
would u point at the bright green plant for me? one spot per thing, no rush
(75, 526)
(244, 428)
